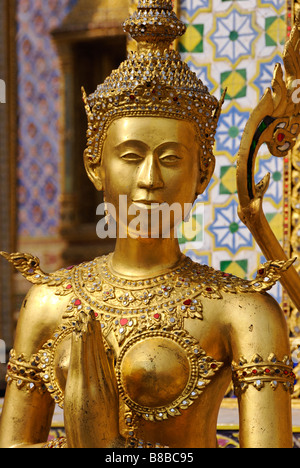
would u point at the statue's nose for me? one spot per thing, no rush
(149, 176)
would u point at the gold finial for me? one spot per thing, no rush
(154, 25)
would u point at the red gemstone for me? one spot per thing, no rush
(69, 286)
(261, 271)
(123, 322)
(214, 366)
(267, 371)
(254, 371)
(175, 99)
(156, 316)
(209, 289)
(77, 302)
(132, 97)
(188, 302)
(70, 268)
(280, 137)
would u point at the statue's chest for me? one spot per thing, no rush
(159, 372)
(161, 369)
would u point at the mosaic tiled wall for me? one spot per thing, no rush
(233, 45)
(39, 110)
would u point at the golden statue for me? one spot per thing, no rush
(139, 347)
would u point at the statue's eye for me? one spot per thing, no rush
(131, 157)
(169, 158)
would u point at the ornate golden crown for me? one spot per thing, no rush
(152, 81)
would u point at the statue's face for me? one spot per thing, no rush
(151, 161)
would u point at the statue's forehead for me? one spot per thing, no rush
(153, 131)
(133, 126)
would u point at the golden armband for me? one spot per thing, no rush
(25, 372)
(258, 373)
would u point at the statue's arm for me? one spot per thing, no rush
(28, 407)
(262, 373)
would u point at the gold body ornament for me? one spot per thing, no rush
(133, 312)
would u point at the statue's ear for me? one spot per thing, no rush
(94, 173)
(205, 174)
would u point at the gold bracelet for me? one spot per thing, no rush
(25, 372)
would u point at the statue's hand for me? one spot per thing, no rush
(91, 407)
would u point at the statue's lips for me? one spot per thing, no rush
(148, 204)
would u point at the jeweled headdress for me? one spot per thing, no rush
(152, 81)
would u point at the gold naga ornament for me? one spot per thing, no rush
(274, 122)
(144, 320)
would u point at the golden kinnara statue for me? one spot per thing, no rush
(139, 347)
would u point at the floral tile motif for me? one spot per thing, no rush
(229, 233)
(230, 130)
(234, 35)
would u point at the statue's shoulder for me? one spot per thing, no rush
(46, 302)
(251, 320)
(214, 283)
(29, 266)
(61, 284)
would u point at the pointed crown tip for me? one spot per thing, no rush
(154, 22)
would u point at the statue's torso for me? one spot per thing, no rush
(169, 338)
(166, 389)
(170, 349)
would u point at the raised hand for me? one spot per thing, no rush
(91, 408)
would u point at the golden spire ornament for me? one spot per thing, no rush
(153, 81)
